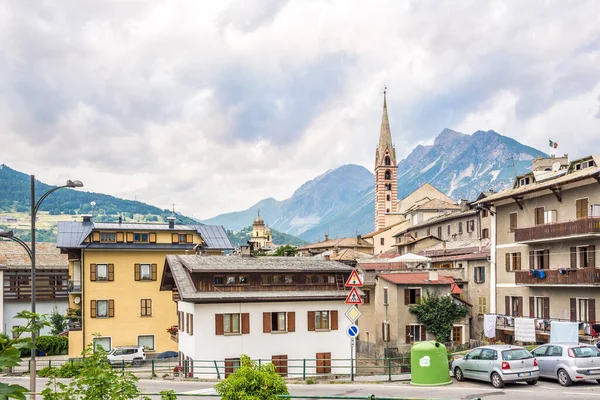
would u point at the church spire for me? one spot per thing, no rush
(385, 136)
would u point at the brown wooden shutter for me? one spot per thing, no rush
(96, 237)
(507, 261)
(136, 271)
(592, 310)
(93, 272)
(219, 329)
(129, 237)
(154, 272)
(266, 322)
(531, 307)
(93, 309)
(311, 320)
(518, 267)
(291, 321)
(546, 307)
(573, 304)
(111, 308)
(531, 259)
(592, 256)
(573, 257)
(406, 296)
(407, 337)
(228, 366)
(520, 306)
(546, 259)
(417, 296)
(513, 221)
(174, 237)
(334, 320)
(182, 320)
(581, 207)
(189, 238)
(245, 323)
(507, 305)
(423, 333)
(191, 324)
(111, 272)
(539, 215)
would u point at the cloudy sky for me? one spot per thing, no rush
(214, 105)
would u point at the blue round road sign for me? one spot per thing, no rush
(352, 331)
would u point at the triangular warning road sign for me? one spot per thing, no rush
(354, 280)
(353, 297)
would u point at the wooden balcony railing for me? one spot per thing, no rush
(581, 226)
(589, 276)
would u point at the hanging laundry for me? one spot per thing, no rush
(489, 326)
(525, 329)
(564, 332)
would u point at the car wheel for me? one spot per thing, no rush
(497, 381)
(136, 363)
(563, 378)
(532, 382)
(598, 380)
(458, 374)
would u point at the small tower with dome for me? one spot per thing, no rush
(261, 234)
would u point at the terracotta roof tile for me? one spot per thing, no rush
(341, 242)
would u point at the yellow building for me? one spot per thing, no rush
(114, 279)
(261, 235)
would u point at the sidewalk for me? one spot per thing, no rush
(376, 378)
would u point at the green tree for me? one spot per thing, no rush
(58, 322)
(438, 314)
(97, 379)
(287, 250)
(252, 382)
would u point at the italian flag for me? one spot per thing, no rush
(552, 144)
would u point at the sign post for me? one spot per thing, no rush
(353, 314)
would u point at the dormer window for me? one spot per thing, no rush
(107, 237)
(524, 181)
(388, 175)
(585, 164)
(388, 161)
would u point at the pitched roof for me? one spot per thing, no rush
(377, 232)
(416, 279)
(46, 255)
(385, 136)
(345, 255)
(434, 204)
(382, 266)
(441, 218)
(196, 263)
(341, 242)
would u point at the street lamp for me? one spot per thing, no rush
(35, 206)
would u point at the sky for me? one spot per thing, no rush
(215, 105)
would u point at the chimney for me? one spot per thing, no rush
(358, 238)
(433, 276)
(171, 220)
(87, 217)
(326, 237)
(120, 219)
(464, 205)
(246, 250)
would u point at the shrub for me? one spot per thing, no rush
(52, 345)
(47, 372)
(26, 349)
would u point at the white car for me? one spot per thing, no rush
(127, 354)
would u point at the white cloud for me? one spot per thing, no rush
(216, 105)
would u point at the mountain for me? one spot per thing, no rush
(241, 237)
(340, 202)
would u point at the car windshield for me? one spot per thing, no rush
(516, 354)
(585, 351)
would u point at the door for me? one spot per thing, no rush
(485, 364)
(540, 356)
(551, 360)
(469, 364)
(76, 275)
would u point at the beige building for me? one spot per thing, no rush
(545, 231)
(358, 244)
(261, 234)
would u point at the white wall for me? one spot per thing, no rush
(298, 345)
(2, 330)
(11, 308)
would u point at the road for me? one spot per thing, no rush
(547, 390)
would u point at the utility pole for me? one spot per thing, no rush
(386, 333)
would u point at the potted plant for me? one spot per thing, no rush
(177, 370)
(172, 330)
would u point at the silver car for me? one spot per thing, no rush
(568, 362)
(497, 364)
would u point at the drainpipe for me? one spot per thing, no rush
(493, 214)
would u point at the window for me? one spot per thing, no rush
(388, 161)
(146, 341)
(581, 208)
(182, 238)
(415, 333)
(448, 228)
(243, 280)
(479, 273)
(524, 181)
(277, 279)
(105, 342)
(538, 216)
(289, 279)
(101, 272)
(219, 280)
(322, 320)
(102, 308)
(484, 213)
(583, 256)
(482, 305)
(107, 237)
(539, 307)
(439, 229)
(513, 306)
(145, 272)
(412, 296)
(388, 175)
(485, 233)
(583, 310)
(457, 334)
(488, 354)
(264, 279)
(513, 222)
(388, 186)
(278, 322)
(549, 216)
(381, 241)
(387, 197)
(460, 231)
(230, 280)
(231, 323)
(471, 225)
(146, 307)
(331, 279)
(140, 237)
(513, 261)
(367, 299)
(539, 259)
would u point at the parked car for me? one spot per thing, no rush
(568, 362)
(497, 364)
(134, 355)
(167, 354)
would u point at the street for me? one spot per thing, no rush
(547, 390)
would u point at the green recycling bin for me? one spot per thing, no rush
(429, 364)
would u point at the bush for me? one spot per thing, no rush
(26, 349)
(52, 345)
(47, 372)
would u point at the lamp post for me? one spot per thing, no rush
(35, 206)
(386, 332)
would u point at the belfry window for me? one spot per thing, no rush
(388, 186)
(388, 174)
(388, 161)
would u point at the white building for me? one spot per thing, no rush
(288, 310)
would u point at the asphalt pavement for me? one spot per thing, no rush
(547, 390)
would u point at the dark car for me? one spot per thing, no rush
(168, 354)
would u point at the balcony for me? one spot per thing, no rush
(589, 226)
(74, 286)
(74, 323)
(583, 276)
